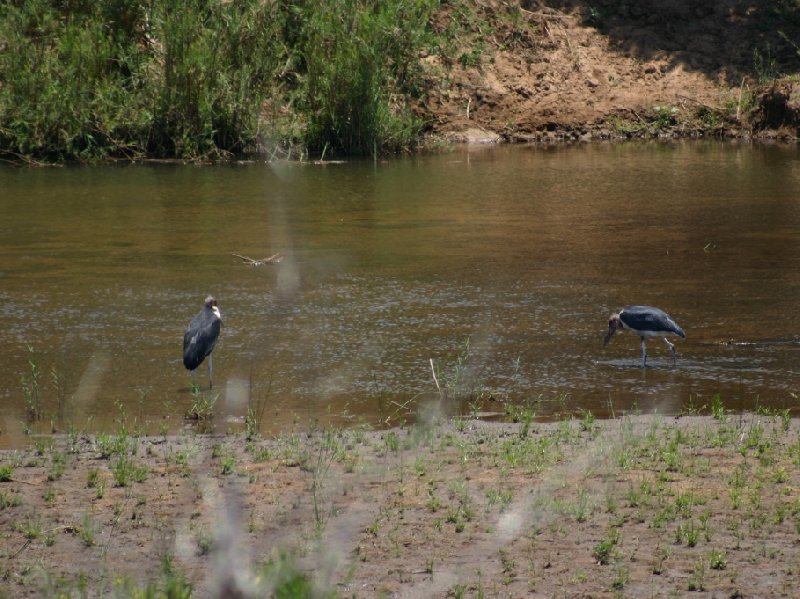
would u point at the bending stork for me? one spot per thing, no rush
(645, 321)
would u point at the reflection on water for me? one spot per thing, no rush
(524, 251)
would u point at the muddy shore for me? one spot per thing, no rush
(638, 506)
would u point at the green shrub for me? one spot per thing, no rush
(360, 58)
(202, 78)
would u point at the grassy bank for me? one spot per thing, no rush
(636, 506)
(196, 78)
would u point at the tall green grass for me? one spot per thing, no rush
(84, 80)
(361, 61)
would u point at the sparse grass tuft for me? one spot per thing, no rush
(460, 380)
(31, 388)
(7, 501)
(716, 560)
(717, 409)
(113, 445)
(255, 410)
(125, 471)
(172, 584)
(6, 472)
(604, 550)
(202, 407)
(587, 421)
(86, 530)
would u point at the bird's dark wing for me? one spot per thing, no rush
(648, 318)
(200, 338)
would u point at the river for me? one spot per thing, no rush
(499, 264)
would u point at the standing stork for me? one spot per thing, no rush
(645, 321)
(200, 338)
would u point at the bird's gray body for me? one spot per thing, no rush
(201, 337)
(645, 321)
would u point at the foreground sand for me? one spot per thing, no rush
(640, 506)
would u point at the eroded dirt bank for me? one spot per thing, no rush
(570, 69)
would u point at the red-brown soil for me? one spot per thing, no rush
(613, 69)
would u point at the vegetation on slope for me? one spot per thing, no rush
(194, 78)
(84, 80)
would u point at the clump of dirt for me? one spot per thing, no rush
(778, 107)
(638, 506)
(545, 70)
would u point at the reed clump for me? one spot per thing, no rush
(204, 79)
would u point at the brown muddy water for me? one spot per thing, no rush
(523, 251)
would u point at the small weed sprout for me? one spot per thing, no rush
(111, 445)
(587, 421)
(125, 471)
(142, 394)
(602, 552)
(255, 410)
(717, 409)
(319, 467)
(43, 444)
(665, 117)
(697, 581)
(6, 472)
(523, 414)
(688, 532)
(283, 577)
(501, 497)
(662, 554)
(392, 442)
(30, 388)
(583, 507)
(31, 528)
(205, 542)
(57, 467)
(202, 407)
(86, 531)
(59, 382)
(458, 381)
(716, 560)
(92, 477)
(228, 462)
(765, 65)
(621, 575)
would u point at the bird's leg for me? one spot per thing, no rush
(644, 353)
(671, 347)
(210, 369)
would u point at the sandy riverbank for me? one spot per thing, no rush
(639, 506)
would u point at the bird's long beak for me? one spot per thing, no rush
(612, 328)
